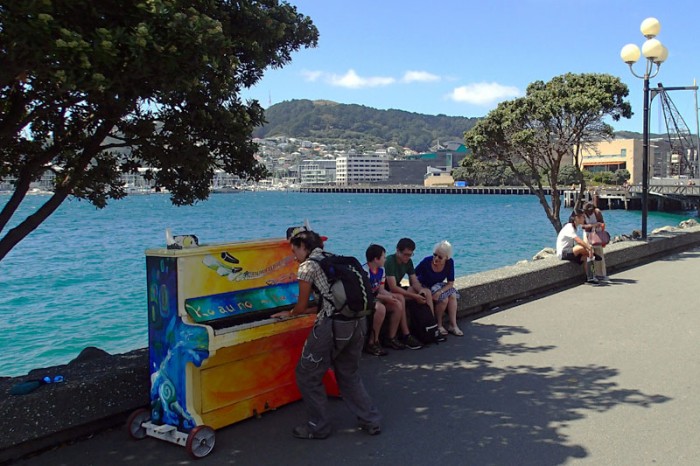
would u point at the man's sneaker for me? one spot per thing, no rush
(374, 349)
(371, 429)
(394, 343)
(304, 431)
(603, 278)
(593, 281)
(412, 342)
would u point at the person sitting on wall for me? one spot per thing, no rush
(397, 266)
(386, 302)
(437, 273)
(572, 248)
(593, 221)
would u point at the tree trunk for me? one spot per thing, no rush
(18, 233)
(21, 188)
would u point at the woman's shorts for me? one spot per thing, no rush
(445, 294)
(568, 255)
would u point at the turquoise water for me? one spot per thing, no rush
(79, 279)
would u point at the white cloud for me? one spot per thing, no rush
(352, 80)
(419, 76)
(312, 76)
(483, 93)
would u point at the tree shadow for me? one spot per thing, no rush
(445, 404)
(684, 255)
(497, 415)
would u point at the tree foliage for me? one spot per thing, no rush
(617, 177)
(485, 173)
(94, 89)
(537, 134)
(570, 174)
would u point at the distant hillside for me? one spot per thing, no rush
(330, 122)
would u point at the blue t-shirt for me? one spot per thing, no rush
(428, 277)
(376, 278)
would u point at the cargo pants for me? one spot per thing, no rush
(336, 343)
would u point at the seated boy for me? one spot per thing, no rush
(398, 266)
(386, 302)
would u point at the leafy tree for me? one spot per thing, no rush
(570, 174)
(622, 175)
(534, 135)
(485, 173)
(605, 177)
(94, 89)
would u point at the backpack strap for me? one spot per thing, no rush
(322, 296)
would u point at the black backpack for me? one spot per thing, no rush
(351, 292)
(422, 322)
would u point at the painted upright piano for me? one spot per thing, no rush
(216, 356)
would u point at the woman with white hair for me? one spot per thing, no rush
(437, 273)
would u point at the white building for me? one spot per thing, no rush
(318, 171)
(352, 169)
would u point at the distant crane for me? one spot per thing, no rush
(684, 150)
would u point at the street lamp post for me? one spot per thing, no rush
(655, 54)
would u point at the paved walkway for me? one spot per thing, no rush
(598, 375)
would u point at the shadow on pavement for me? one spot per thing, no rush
(444, 404)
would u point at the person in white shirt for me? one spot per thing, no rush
(572, 248)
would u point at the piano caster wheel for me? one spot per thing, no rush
(200, 441)
(134, 424)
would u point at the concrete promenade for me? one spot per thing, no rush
(592, 374)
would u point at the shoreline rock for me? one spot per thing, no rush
(98, 391)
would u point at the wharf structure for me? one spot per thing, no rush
(417, 189)
(665, 195)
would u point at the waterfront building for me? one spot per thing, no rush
(435, 177)
(43, 185)
(317, 172)
(352, 169)
(628, 154)
(224, 180)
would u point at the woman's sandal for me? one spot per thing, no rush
(442, 331)
(456, 331)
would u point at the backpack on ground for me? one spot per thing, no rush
(422, 323)
(351, 292)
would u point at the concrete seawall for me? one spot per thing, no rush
(485, 291)
(100, 390)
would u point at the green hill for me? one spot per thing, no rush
(329, 122)
(332, 123)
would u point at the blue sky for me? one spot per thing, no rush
(462, 57)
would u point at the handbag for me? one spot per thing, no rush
(599, 238)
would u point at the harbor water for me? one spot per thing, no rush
(79, 280)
